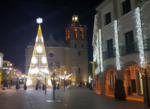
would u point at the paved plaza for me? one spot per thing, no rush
(75, 98)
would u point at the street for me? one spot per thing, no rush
(75, 98)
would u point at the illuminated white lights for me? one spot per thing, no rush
(29, 82)
(49, 82)
(117, 46)
(42, 39)
(39, 49)
(100, 50)
(36, 39)
(64, 76)
(90, 78)
(43, 59)
(39, 20)
(34, 60)
(76, 18)
(44, 70)
(139, 36)
(39, 78)
(34, 71)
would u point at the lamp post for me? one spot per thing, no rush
(64, 79)
(54, 86)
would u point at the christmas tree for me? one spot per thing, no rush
(38, 67)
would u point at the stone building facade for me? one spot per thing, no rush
(71, 54)
(121, 37)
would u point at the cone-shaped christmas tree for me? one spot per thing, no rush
(38, 67)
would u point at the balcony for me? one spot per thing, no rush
(127, 49)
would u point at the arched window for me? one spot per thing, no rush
(75, 33)
(81, 33)
(79, 70)
(51, 55)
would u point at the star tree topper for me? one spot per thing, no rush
(39, 20)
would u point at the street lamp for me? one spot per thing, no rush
(64, 79)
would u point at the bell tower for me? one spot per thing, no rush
(76, 34)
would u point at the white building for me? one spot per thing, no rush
(70, 54)
(121, 38)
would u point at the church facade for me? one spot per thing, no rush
(71, 55)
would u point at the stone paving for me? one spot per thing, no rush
(75, 98)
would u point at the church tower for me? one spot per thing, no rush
(76, 36)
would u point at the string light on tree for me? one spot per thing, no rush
(36, 39)
(34, 60)
(44, 61)
(42, 39)
(38, 67)
(39, 49)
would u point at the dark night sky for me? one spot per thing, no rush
(18, 25)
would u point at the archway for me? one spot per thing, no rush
(111, 76)
(132, 81)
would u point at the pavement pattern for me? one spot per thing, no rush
(75, 98)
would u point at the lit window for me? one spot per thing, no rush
(75, 33)
(81, 33)
(68, 34)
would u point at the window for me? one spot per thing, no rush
(81, 33)
(109, 44)
(51, 55)
(82, 45)
(75, 45)
(110, 47)
(79, 70)
(108, 18)
(126, 6)
(75, 33)
(79, 54)
(51, 64)
(68, 34)
(129, 42)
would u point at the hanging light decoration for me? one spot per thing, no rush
(139, 36)
(39, 49)
(45, 71)
(100, 49)
(117, 46)
(43, 59)
(49, 82)
(64, 76)
(34, 71)
(34, 60)
(29, 82)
